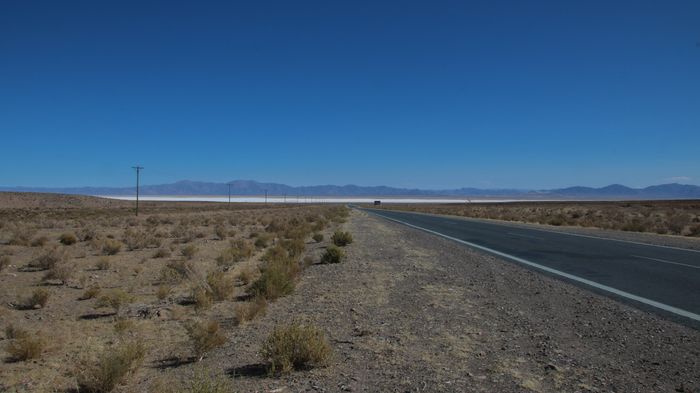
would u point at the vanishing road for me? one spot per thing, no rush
(666, 279)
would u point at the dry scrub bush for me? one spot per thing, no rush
(237, 251)
(111, 368)
(201, 298)
(245, 275)
(220, 232)
(163, 292)
(68, 239)
(21, 235)
(295, 346)
(205, 336)
(115, 300)
(59, 272)
(48, 259)
(25, 346)
(175, 272)
(276, 280)
(12, 332)
(221, 285)
(90, 293)
(111, 246)
(124, 325)
(341, 238)
(189, 251)
(333, 254)
(318, 237)
(161, 253)
(102, 263)
(4, 262)
(38, 299)
(40, 241)
(87, 233)
(247, 311)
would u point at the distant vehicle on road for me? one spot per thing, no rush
(377, 203)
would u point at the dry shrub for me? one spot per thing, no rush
(246, 275)
(201, 298)
(295, 346)
(102, 263)
(247, 311)
(318, 237)
(25, 346)
(276, 280)
(189, 251)
(4, 262)
(294, 247)
(60, 272)
(111, 367)
(161, 253)
(21, 235)
(123, 325)
(205, 336)
(163, 292)
(12, 332)
(39, 241)
(333, 254)
(48, 259)
(237, 251)
(87, 233)
(90, 293)
(175, 272)
(111, 246)
(221, 285)
(68, 239)
(341, 238)
(220, 232)
(38, 299)
(115, 300)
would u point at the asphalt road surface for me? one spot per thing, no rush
(658, 278)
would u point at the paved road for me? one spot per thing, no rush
(661, 278)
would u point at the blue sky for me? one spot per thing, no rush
(432, 94)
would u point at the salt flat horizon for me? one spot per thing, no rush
(308, 199)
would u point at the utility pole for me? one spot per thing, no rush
(266, 197)
(229, 195)
(285, 197)
(138, 173)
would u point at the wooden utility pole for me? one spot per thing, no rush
(138, 174)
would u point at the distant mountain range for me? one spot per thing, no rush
(250, 187)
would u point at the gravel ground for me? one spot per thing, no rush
(411, 312)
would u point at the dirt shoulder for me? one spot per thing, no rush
(408, 311)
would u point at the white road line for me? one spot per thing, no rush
(572, 277)
(665, 261)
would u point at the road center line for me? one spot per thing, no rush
(627, 295)
(665, 261)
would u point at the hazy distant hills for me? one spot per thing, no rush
(250, 187)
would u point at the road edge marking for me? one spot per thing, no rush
(603, 287)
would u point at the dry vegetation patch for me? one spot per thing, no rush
(108, 285)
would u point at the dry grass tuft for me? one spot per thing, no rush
(341, 238)
(68, 239)
(205, 336)
(90, 293)
(111, 246)
(111, 367)
(25, 346)
(221, 285)
(247, 311)
(333, 254)
(189, 251)
(115, 300)
(4, 262)
(295, 347)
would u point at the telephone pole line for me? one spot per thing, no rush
(138, 174)
(266, 197)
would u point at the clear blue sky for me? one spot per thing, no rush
(430, 94)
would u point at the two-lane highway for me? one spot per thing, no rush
(664, 278)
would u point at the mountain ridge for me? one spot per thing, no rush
(252, 187)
